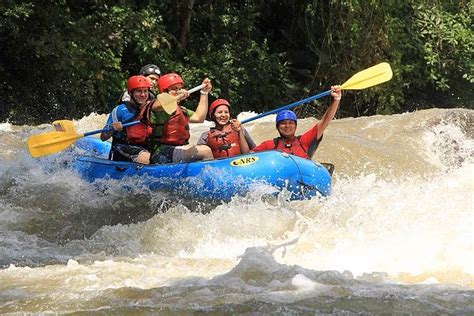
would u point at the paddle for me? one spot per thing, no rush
(52, 142)
(169, 102)
(64, 126)
(364, 79)
(65, 134)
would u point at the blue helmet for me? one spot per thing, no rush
(286, 115)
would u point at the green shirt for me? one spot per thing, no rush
(157, 120)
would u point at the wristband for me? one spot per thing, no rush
(338, 98)
(204, 92)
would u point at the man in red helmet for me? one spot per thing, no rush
(131, 143)
(171, 131)
(304, 145)
(152, 73)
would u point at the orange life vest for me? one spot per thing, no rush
(176, 129)
(292, 147)
(140, 133)
(225, 142)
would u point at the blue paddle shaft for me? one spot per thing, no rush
(109, 128)
(286, 107)
(136, 122)
(289, 106)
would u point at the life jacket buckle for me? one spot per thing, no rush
(225, 147)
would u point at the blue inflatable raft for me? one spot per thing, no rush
(216, 180)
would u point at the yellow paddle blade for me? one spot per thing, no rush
(369, 77)
(50, 142)
(64, 126)
(166, 101)
(169, 102)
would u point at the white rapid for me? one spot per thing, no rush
(396, 234)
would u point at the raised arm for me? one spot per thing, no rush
(201, 111)
(336, 94)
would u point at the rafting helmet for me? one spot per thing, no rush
(286, 115)
(217, 103)
(150, 69)
(136, 82)
(168, 80)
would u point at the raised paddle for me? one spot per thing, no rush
(52, 142)
(169, 102)
(363, 79)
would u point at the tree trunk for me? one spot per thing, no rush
(185, 23)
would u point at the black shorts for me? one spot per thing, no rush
(164, 154)
(125, 152)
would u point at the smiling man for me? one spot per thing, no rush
(304, 145)
(131, 143)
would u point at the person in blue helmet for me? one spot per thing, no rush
(306, 144)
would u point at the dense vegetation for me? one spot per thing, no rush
(66, 59)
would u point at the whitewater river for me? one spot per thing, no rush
(395, 236)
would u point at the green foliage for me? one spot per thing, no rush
(448, 42)
(431, 50)
(66, 59)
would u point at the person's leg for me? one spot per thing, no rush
(143, 157)
(124, 152)
(163, 155)
(192, 153)
(116, 154)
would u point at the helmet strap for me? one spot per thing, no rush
(135, 103)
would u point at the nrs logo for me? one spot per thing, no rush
(244, 161)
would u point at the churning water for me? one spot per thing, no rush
(395, 236)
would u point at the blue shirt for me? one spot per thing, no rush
(122, 114)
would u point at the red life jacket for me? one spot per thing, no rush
(176, 129)
(224, 143)
(140, 133)
(292, 147)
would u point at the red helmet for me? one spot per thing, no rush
(168, 80)
(217, 103)
(136, 82)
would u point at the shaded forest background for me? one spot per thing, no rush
(66, 59)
